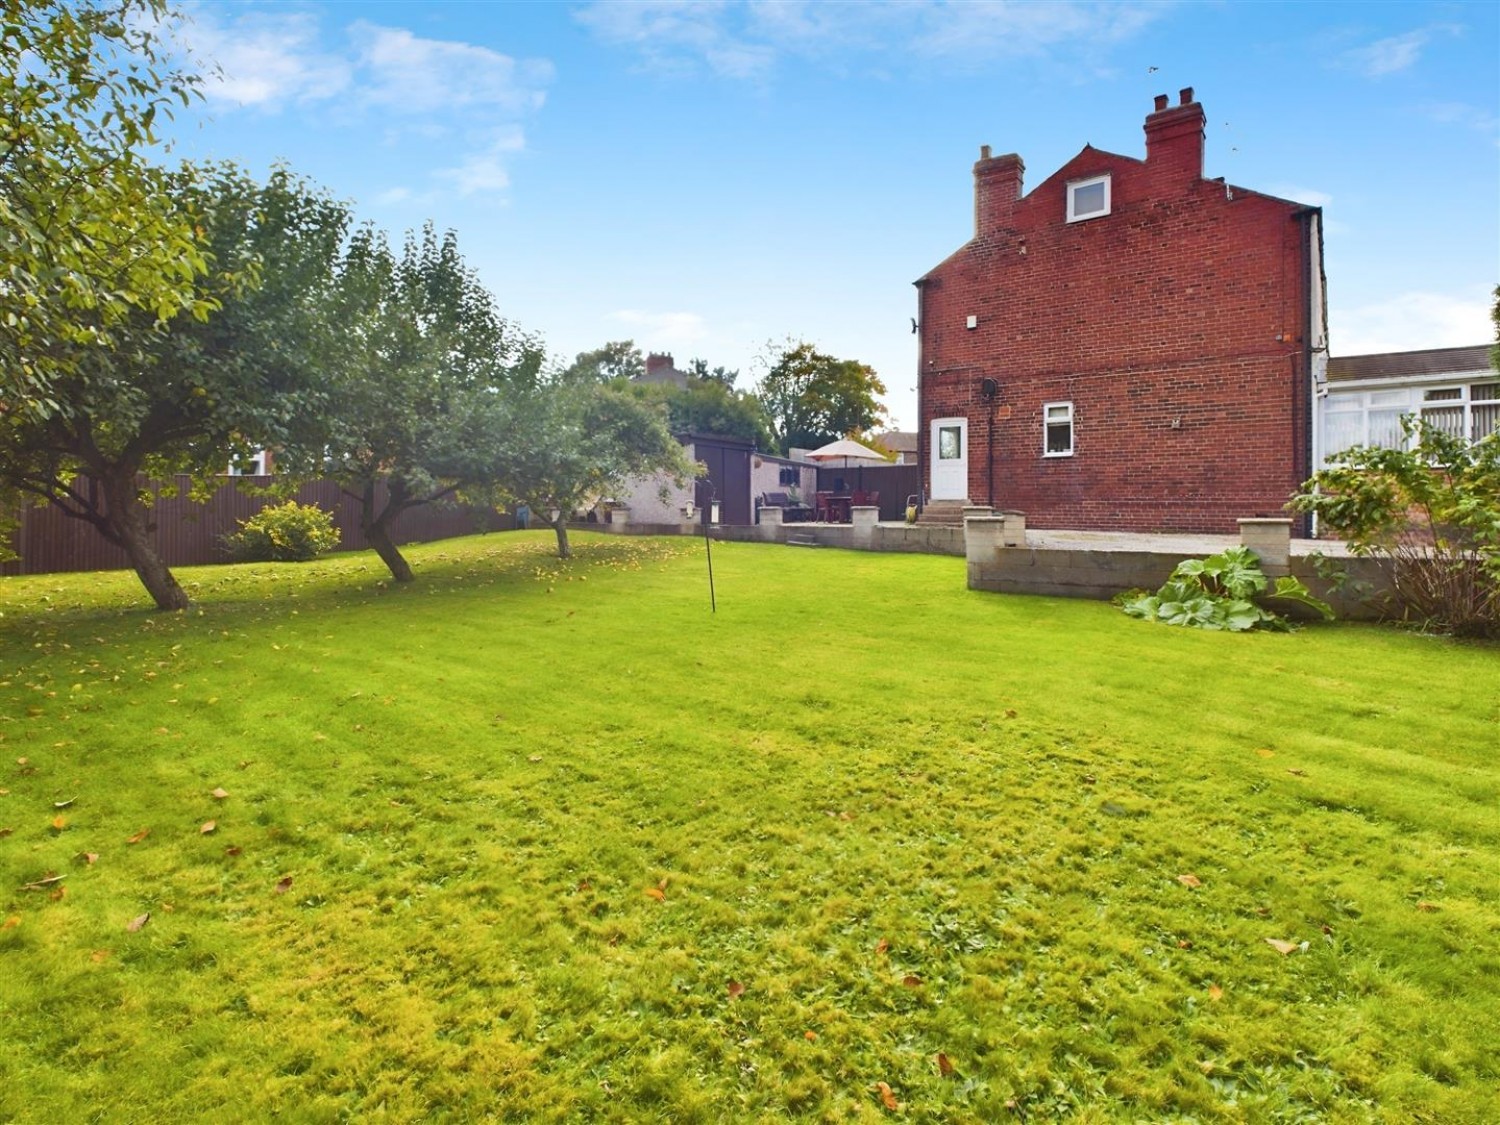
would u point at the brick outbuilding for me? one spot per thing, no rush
(1130, 346)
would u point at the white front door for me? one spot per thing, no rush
(950, 459)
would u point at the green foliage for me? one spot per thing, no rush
(1431, 513)
(813, 398)
(700, 368)
(619, 359)
(570, 442)
(413, 377)
(89, 235)
(467, 794)
(709, 406)
(289, 532)
(1220, 593)
(185, 396)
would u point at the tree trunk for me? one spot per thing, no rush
(127, 521)
(560, 525)
(377, 531)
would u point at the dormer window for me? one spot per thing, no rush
(1088, 199)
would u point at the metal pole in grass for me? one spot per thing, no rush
(708, 548)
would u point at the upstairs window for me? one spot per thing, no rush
(1088, 199)
(1057, 429)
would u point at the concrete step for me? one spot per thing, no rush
(801, 541)
(943, 513)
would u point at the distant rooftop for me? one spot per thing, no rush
(1398, 365)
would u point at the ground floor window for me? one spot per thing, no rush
(1373, 417)
(1057, 429)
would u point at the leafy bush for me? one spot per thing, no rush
(289, 532)
(1219, 592)
(1431, 514)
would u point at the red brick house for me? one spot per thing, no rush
(1130, 346)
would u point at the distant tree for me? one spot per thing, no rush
(414, 383)
(813, 398)
(89, 234)
(1495, 319)
(619, 359)
(572, 441)
(700, 369)
(184, 397)
(710, 407)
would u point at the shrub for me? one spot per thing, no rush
(1219, 592)
(289, 532)
(1431, 514)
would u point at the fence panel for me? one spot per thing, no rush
(191, 534)
(894, 482)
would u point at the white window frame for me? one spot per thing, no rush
(1363, 401)
(1073, 188)
(1047, 421)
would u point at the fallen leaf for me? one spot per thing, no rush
(1190, 880)
(1009, 714)
(4, 832)
(1089, 779)
(1282, 947)
(534, 758)
(59, 894)
(1427, 907)
(882, 946)
(911, 980)
(137, 922)
(810, 1036)
(138, 837)
(887, 1097)
(585, 885)
(59, 822)
(88, 858)
(945, 1068)
(1215, 993)
(736, 990)
(657, 893)
(233, 849)
(662, 886)
(284, 885)
(1206, 1066)
(1183, 943)
(10, 923)
(1264, 753)
(99, 956)
(1297, 773)
(219, 794)
(23, 761)
(207, 827)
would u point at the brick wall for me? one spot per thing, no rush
(1177, 325)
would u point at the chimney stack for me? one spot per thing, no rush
(658, 365)
(1174, 137)
(997, 187)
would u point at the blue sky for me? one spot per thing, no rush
(704, 178)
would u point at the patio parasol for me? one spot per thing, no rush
(846, 450)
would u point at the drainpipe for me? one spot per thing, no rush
(1308, 219)
(921, 412)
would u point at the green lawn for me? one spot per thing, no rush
(546, 841)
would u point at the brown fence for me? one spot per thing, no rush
(894, 483)
(188, 533)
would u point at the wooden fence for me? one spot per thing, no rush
(894, 483)
(189, 534)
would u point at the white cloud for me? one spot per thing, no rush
(421, 88)
(665, 329)
(1411, 321)
(263, 60)
(745, 39)
(1394, 53)
(404, 72)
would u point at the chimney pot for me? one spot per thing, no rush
(1161, 102)
(1186, 95)
(984, 152)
